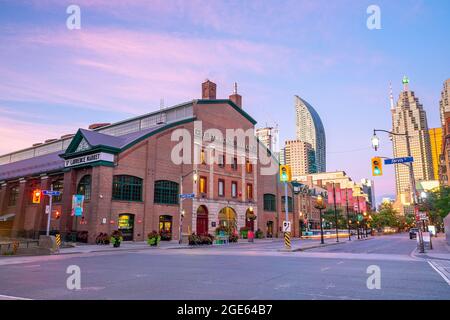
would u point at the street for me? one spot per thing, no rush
(242, 271)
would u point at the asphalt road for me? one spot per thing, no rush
(242, 272)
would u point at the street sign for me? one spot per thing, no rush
(51, 193)
(399, 160)
(187, 195)
(286, 226)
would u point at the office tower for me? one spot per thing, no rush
(409, 117)
(300, 156)
(436, 149)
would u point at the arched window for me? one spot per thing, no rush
(283, 201)
(58, 185)
(166, 192)
(127, 188)
(270, 203)
(84, 187)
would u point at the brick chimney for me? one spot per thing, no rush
(209, 90)
(235, 97)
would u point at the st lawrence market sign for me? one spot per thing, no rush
(101, 156)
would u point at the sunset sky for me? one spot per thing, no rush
(130, 54)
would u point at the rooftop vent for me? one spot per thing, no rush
(98, 125)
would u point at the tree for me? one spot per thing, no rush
(438, 203)
(387, 216)
(329, 217)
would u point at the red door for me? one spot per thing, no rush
(202, 224)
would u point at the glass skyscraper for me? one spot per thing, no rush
(310, 129)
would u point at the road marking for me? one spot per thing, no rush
(439, 270)
(325, 269)
(4, 297)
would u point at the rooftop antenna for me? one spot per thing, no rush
(391, 97)
(161, 119)
(235, 88)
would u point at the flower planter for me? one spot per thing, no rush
(244, 234)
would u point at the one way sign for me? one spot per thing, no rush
(286, 226)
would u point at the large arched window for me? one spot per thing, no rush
(283, 201)
(270, 203)
(58, 185)
(84, 187)
(166, 192)
(127, 188)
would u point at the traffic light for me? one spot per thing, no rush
(57, 214)
(377, 167)
(285, 173)
(37, 196)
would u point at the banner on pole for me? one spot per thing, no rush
(77, 205)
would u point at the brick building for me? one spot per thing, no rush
(130, 181)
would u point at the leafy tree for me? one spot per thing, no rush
(329, 217)
(437, 203)
(387, 216)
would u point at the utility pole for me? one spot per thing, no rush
(335, 213)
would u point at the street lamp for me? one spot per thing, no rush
(320, 205)
(182, 212)
(375, 141)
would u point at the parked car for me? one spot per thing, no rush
(413, 233)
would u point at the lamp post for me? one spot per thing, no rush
(320, 205)
(348, 217)
(335, 213)
(182, 212)
(375, 145)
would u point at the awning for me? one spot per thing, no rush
(7, 217)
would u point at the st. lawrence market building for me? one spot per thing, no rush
(129, 179)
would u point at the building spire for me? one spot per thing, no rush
(391, 97)
(405, 82)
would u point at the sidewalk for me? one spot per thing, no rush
(142, 245)
(441, 250)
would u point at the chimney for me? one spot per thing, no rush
(209, 90)
(235, 97)
(98, 125)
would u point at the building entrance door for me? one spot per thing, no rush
(202, 220)
(126, 226)
(165, 227)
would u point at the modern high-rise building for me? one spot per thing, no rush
(436, 149)
(409, 117)
(369, 189)
(310, 129)
(444, 102)
(300, 156)
(265, 135)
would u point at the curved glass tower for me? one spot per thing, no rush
(310, 129)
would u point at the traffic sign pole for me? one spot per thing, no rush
(287, 235)
(50, 211)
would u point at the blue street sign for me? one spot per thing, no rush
(187, 195)
(51, 193)
(399, 160)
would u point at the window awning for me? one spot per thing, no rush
(7, 217)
